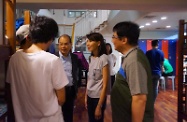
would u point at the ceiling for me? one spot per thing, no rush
(174, 10)
(170, 23)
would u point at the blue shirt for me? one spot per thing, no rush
(156, 58)
(67, 67)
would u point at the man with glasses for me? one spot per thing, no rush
(131, 95)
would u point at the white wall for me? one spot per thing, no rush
(60, 16)
(158, 34)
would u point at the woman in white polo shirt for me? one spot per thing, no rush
(98, 76)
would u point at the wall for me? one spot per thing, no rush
(158, 34)
(60, 16)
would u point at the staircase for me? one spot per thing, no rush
(91, 21)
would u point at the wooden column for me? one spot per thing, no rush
(2, 22)
(10, 24)
(27, 18)
(73, 34)
(180, 71)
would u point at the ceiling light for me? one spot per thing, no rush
(185, 33)
(154, 21)
(142, 26)
(163, 18)
(168, 26)
(147, 24)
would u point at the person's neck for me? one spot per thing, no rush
(65, 54)
(95, 53)
(36, 48)
(156, 47)
(127, 48)
(25, 46)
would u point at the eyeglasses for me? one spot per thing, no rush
(113, 37)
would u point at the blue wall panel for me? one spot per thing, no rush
(172, 53)
(143, 45)
(160, 45)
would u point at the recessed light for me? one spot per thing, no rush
(154, 21)
(185, 33)
(147, 24)
(168, 26)
(142, 26)
(163, 18)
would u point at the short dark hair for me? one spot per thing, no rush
(65, 35)
(98, 37)
(108, 44)
(154, 43)
(129, 30)
(23, 42)
(43, 29)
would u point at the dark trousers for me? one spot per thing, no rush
(68, 106)
(155, 80)
(91, 105)
(167, 74)
(112, 80)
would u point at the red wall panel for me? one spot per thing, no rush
(165, 48)
(149, 47)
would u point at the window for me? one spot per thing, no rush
(74, 13)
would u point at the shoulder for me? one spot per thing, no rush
(104, 56)
(74, 56)
(113, 56)
(147, 52)
(15, 56)
(49, 56)
(160, 52)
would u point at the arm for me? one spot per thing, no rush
(61, 96)
(138, 107)
(114, 58)
(85, 99)
(105, 72)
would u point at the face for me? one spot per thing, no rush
(107, 48)
(117, 42)
(64, 45)
(92, 45)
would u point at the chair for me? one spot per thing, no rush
(163, 82)
(172, 80)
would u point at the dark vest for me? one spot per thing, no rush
(76, 70)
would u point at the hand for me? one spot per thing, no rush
(85, 100)
(98, 113)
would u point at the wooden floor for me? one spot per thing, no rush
(165, 107)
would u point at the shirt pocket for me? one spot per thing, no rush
(97, 75)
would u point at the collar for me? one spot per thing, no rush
(130, 50)
(61, 56)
